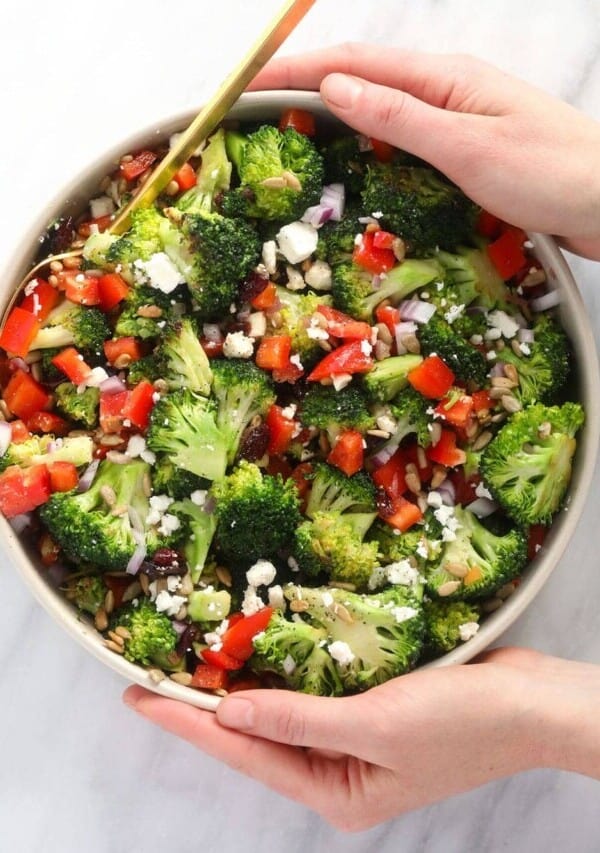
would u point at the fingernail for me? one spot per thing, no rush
(342, 90)
(236, 713)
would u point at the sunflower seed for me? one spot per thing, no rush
(456, 569)
(350, 587)
(343, 613)
(116, 638)
(101, 619)
(502, 382)
(516, 347)
(132, 591)
(448, 588)
(412, 479)
(438, 476)
(298, 605)
(224, 575)
(108, 495)
(512, 373)
(399, 248)
(544, 429)
(184, 678)
(291, 181)
(123, 632)
(156, 675)
(482, 440)
(274, 183)
(511, 404)
(109, 601)
(114, 647)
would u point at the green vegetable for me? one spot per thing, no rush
(324, 407)
(131, 323)
(153, 638)
(443, 620)
(81, 408)
(87, 592)
(330, 543)
(543, 373)
(45, 449)
(68, 324)
(332, 491)
(389, 376)
(209, 605)
(467, 363)
(294, 318)
(198, 528)
(185, 364)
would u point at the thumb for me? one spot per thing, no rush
(448, 140)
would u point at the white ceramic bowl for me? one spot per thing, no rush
(268, 105)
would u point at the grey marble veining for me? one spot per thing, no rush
(78, 771)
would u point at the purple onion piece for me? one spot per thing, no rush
(448, 492)
(417, 310)
(137, 558)
(482, 507)
(112, 385)
(526, 336)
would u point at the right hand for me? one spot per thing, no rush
(520, 153)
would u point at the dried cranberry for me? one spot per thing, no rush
(189, 636)
(254, 443)
(164, 562)
(384, 503)
(253, 286)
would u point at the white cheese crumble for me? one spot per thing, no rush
(257, 324)
(295, 359)
(327, 599)
(276, 597)
(434, 499)
(319, 276)
(502, 321)
(101, 206)
(297, 241)
(169, 604)
(238, 345)
(252, 603)
(269, 256)
(262, 573)
(96, 378)
(386, 422)
(476, 340)
(491, 355)
(159, 504)
(422, 550)
(159, 272)
(136, 446)
(525, 349)
(341, 652)
(316, 333)
(482, 492)
(467, 630)
(402, 573)
(198, 497)
(340, 380)
(403, 614)
(453, 313)
(366, 348)
(289, 412)
(295, 279)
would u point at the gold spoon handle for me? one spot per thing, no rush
(216, 109)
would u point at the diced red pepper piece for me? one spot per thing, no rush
(72, 364)
(383, 151)
(389, 316)
(404, 514)
(506, 253)
(23, 489)
(206, 676)
(273, 353)
(111, 411)
(237, 639)
(455, 410)
(40, 298)
(340, 325)
(432, 378)
(266, 298)
(349, 358)
(139, 404)
(49, 549)
(281, 430)
(482, 401)
(391, 477)
(301, 477)
(300, 120)
(186, 177)
(488, 225)
(535, 539)
(63, 476)
(19, 432)
(79, 287)
(100, 223)
(367, 256)
(112, 289)
(24, 396)
(46, 422)
(290, 372)
(134, 168)
(383, 239)
(117, 348)
(445, 451)
(221, 659)
(19, 332)
(348, 452)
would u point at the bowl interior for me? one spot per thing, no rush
(268, 105)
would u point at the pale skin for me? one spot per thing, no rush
(363, 759)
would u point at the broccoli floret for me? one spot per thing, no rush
(331, 544)
(67, 324)
(469, 275)
(324, 407)
(419, 205)
(490, 561)
(388, 377)
(199, 528)
(256, 515)
(149, 367)
(295, 651)
(268, 154)
(294, 320)
(139, 325)
(88, 530)
(81, 408)
(383, 632)
(527, 465)
(177, 483)
(185, 364)
(96, 249)
(345, 163)
(336, 239)
(45, 449)
(544, 372)
(243, 392)
(87, 592)
(213, 176)
(183, 426)
(332, 491)
(443, 621)
(354, 293)
(140, 241)
(410, 412)
(466, 361)
(49, 372)
(419, 545)
(153, 638)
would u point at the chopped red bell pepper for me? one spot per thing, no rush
(445, 451)
(46, 422)
(506, 253)
(456, 409)
(367, 256)
(49, 549)
(213, 349)
(112, 289)
(24, 396)
(348, 452)
(383, 151)
(488, 225)
(78, 287)
(535, 539)
(389, 316)
(290, 372)
(281, 430)
(353, 357)
(72, 364)
(63, 476)
(482, 401)
(221, 659)
(23, 489)
(391, 477)
(404, 514)
(111, 411)
(266, 298)
(186, 177)
(117, 348)
(300, 120)
(432, 378)
(237, 639)
(40, 298)
(301, 477)
(206, 676)
(132, 169)
(19, 332)
(19, 432)
(340, 325)
(383, 239)
(139, 404)
(100, 223)
(273, 353)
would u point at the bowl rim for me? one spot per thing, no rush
(248, 106)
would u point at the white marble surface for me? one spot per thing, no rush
(78, 771)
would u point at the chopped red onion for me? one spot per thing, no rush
(417, 310)
(383, 455)
(317, 214)
(482, 507)
(87, 478)
(112, 385)
(137, 558)
(137, 524)
(526, 336)
(20, 522)
(448, 492)
(497, 369)
(178, 627)
(376, 281)
(334, 197)
(16, 363)
(5, 437)
(212, 332)
(548, 300)
(406, 327)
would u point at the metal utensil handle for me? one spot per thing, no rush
(217, 108)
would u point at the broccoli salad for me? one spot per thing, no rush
(303, 425)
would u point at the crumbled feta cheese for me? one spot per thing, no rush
(293, 564)
(297, 241)
(295, 359)
(168, 524)
(276, 597)
(257, 324)
(252, 603)
(476, 340)
(403, 614)
(148, 456)
(491, 355)
(453, 313)
(169, 604)
(269, 256)
(467, 630)
(422, 550)
(238, 345)
(317, 333)
(502, 321)
(341, 652)
(525, 349)
(289, 665)
(434, 499)
(402, 573)
(482, 492)
(159, 272)
(493, 334)
(159, 504)
(199, 497)
(173, 583)
(262, 573)
(340, 380)
(101, 206)
(295, 279)
(319, 276)
(386, 422)
(136, 446)
(377, 214)
(289, 412)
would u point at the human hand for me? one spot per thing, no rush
(411, 741)
(522, 154)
